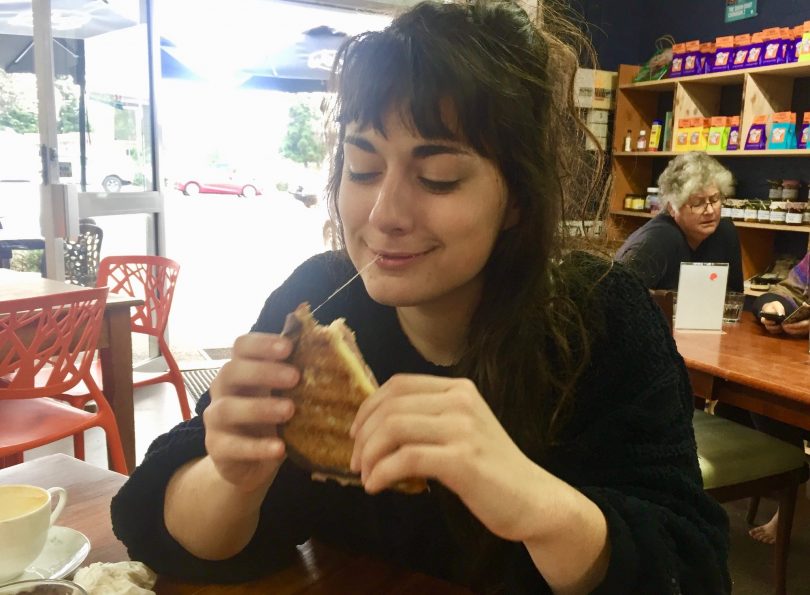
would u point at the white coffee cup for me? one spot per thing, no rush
(25, 517)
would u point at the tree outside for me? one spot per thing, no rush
(303, 142)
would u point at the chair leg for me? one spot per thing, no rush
(787, 506)
(9, 460)
(78, 446)
(753, 506)
(177, 380)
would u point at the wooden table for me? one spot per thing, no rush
(750, 368)
(115, 346)
(319, 569)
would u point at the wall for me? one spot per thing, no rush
(613, 26)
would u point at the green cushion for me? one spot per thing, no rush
(730, 453)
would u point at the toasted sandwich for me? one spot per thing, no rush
(335, 380)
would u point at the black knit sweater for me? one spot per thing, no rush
(628, 445)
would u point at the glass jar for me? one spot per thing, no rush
(737, 209)
(628, 202)
(750, 209)
(775, 189)
(764, 211)
(790, 190)
(638, 202)
(725, 208)
(652, 203)
(794, 214)
(778, 212)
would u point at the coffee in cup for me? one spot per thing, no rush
(25, 517)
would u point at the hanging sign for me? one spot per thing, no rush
(737, 10)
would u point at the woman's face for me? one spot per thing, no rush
(700, 215)
(431, 210)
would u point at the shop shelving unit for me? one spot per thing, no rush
(764, 90)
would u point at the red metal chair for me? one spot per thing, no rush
(46, 347)
(152, 279)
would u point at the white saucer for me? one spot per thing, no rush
(65, 549)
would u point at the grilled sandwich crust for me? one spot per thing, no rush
(334, 382)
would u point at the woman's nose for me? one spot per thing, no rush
(392, 211)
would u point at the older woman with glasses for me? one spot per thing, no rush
(689, 227)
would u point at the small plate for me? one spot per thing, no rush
(65, 549)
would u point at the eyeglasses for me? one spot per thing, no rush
(702, 206)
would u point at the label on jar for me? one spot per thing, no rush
(638, 203)
(790, 193)
(725, 211)
(737, 213)
(793, 218)
(806, 217)
(749, 214)
(763, 215)
(777, 216)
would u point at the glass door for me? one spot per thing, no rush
(76, 111)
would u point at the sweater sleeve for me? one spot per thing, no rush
(645, 255)
(288, 511)
(791, 291)
(630, 448)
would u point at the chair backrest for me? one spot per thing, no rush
(47, 343)
(150, 278)
(82, 256)
(665, 298)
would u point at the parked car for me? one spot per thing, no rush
(219, 180)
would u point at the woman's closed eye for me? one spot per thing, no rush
(439, 186)
(361, 177)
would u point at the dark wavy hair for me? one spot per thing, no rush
(509, 77)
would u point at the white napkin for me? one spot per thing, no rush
(119, 578)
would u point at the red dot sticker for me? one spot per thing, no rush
(713, 276)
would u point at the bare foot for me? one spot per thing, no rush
(766, 533)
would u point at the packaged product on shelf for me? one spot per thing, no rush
(750, 211)
(691, 60)
(790, 190)
(754, 57)
(627, 204)
(666, 144)
(778, 212)
(786, 33)
(764, 211)
(638, 202)
(725, 208)
(741, 44)
(655, 135)
(682, 134)
(772, 50)
(718, 134)
(737, 208)
(733, 133)
(652, 203)
(724, 48)
(804, 46)
(775, 189)
(783, 131)
(678, 51)
(804, 134)
(706, 57)
(794, 213)
(757, 134)
(798, 30)
(699, 134)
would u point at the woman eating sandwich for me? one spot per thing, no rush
(537, 390)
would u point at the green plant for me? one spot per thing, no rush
(26, 260)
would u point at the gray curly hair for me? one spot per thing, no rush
(690, 173)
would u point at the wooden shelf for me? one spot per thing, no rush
(729, 77)
(757, 153)
(768, 226)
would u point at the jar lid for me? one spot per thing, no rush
(790, 183)
(652, 190)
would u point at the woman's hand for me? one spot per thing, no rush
(440, 428)
(241, 420)
(774, 307)
(797, 329)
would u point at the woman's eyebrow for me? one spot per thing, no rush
(423, 151)
(360, 142)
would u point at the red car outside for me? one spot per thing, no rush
(219, 182)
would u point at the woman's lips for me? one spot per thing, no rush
(399, 260)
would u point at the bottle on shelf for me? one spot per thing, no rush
(655, 135)
(641, 142)
(628, 141)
